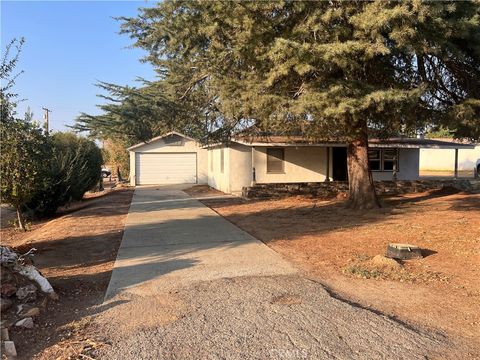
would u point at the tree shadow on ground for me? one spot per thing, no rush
(320, 216)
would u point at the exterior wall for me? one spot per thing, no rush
(444, 159)
(133, 178)
(237, 168)
(187, 145)
(408, 164)
(301, 164)
(217, 179)
(240, 161)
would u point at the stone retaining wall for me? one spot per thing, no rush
(334, 188)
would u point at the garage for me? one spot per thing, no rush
(166, 168)
(173, 158)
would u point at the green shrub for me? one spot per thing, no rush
(25, 151)
(74, 168)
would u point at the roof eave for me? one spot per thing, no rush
(372, 145)
(133, 147)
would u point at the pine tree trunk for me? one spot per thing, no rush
(361, 188)
(21, 220)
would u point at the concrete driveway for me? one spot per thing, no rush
(172, 240)
(187, 284)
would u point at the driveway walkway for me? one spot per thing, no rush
(187, 284)
(172, 240)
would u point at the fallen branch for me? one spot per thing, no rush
(17, 263)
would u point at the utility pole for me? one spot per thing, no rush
(45, 117)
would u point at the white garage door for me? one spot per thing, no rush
(166, 168)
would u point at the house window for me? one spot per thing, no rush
(275, 160)
(375, 159)
(390, 160)
(383, 159)
(222, 161)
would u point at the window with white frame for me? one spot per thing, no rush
(383, 159)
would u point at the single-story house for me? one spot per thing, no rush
(176, 158)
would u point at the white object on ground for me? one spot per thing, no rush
(26, 323)
(10, 257)
(29, 271)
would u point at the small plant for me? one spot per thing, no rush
(361, 271)
(380, 267)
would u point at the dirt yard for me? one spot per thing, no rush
(336, 246)
(76, 252)
(203, 190)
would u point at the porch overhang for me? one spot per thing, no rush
(405, 143)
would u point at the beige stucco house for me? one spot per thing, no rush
(176, 158)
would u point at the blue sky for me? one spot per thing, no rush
(69, 46)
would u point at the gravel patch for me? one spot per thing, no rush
(270, 317)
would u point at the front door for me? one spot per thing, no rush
(339, 164)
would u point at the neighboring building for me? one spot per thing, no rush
(176, 158)
(441, 160)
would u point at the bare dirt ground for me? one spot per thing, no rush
(440, 292)
(76, 252)
(203, 190)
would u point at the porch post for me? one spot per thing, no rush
(395, 163)
(456, 164)
(254, 176)
(327, 178)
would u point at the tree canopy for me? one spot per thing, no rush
(331, 65)
(134, 114)
(9, 99)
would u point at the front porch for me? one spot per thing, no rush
(313, 163)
